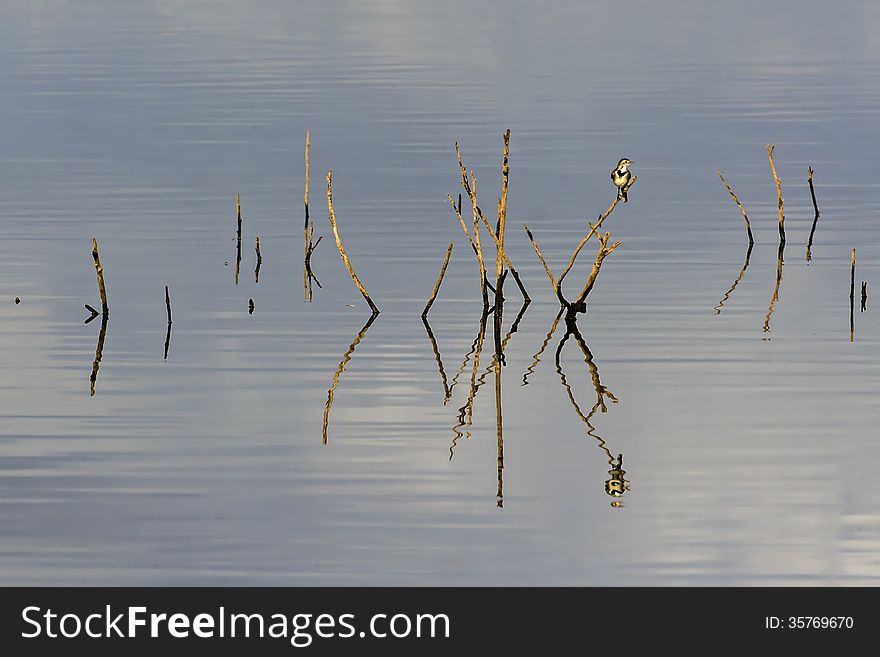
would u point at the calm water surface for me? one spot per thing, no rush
(750, 443)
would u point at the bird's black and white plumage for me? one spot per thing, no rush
(621, 177)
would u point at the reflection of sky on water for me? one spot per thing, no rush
(751, 461)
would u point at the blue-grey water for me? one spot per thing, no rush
(750, 444)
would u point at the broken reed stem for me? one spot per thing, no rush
(479, 249)
(238, 215)
(852, 296)
(168, 331)
(506, 259)
(502, 216)
(815, 215)
(307, 229)
(604, 250)
(99, 270)
(354, 276)
(740, 206)
(770, 148)
(472, 195)
(540, 256)
(439, 281)
(259, 261)
(457, 210)
(306, 193)
(852, 277)
(238, 237)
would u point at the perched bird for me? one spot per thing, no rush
(621, 177)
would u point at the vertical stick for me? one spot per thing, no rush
(540, 256)
(306, 232)
(864, 295)
(770, 148)
(306, 193)
(99, 270)
(499, 495)
(502, 215)
(439, 281)
(740, 206)
(238, 237)
(354, 276)
(259, 261)
(168, 331)
(479, 247)
(852, 296)
(168, 304)
(815, 215)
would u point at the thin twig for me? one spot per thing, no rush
(259, 261)
(594, 229)
(306, 193)
(307, 232)
(770, 148)
(439, 281)
(483, 282)
(168, 331)
(579, 305)
(540, 256)
(852, 296)
(472, 195)
(99, 270)
(238, 237)
(168, 311)
(502, 216)
(354, 276)
(740, 206)
(815, 215)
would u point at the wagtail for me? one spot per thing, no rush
(621, 177)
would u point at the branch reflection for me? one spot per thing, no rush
(775, 297)
(339, 370)
(736, 282)
(99, 352)
(616, 485)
